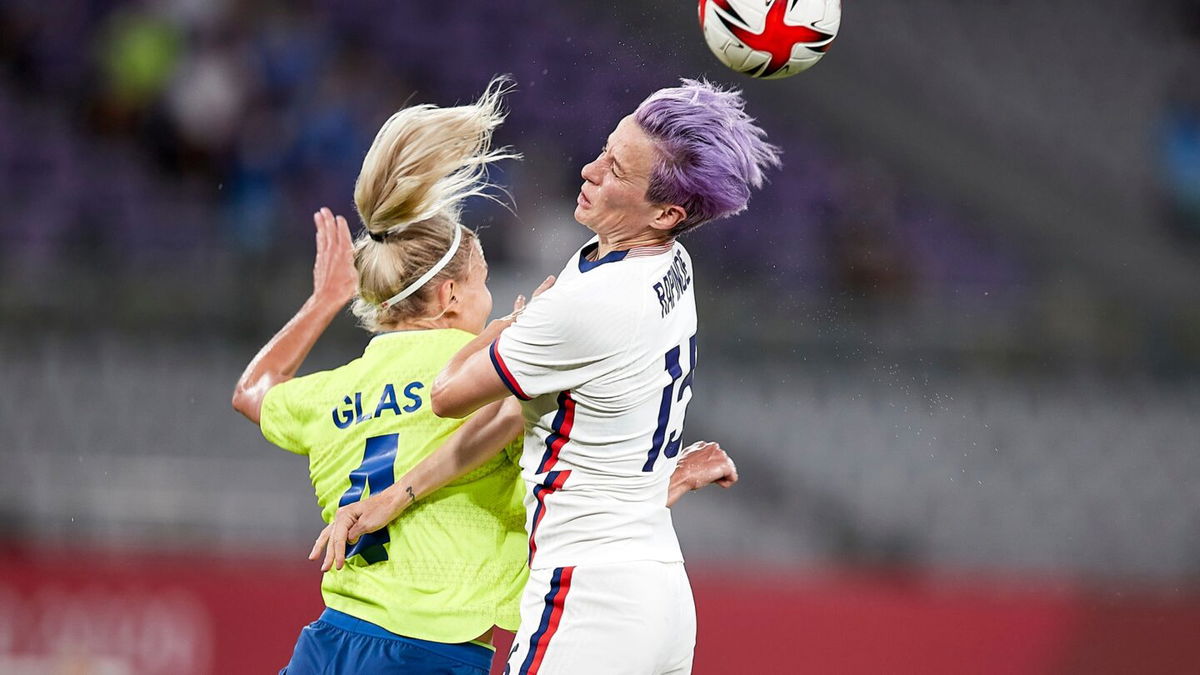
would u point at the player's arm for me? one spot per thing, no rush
(334, 283)
(475, 442)
(701, 464)
(470, 381)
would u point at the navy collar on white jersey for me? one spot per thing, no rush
(586, 265)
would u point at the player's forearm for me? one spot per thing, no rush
(282, 356)
(475, 442)
(456, 390)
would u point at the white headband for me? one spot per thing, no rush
(437, 267)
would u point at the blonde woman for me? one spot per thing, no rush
(424, 597)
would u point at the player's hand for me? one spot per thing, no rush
(703, 463)
(351, 522)
(334, 278)
(545, 285)
(519, 304)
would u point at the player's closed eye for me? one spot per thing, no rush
(612, 166)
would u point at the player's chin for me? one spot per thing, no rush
(581, 216)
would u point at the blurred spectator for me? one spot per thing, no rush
(1180, 134)
(138, 52)
(210, 97)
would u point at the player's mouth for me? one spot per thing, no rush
(583, 200)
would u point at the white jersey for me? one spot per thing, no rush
(603, 361)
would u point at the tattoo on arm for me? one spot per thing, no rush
(411, 497)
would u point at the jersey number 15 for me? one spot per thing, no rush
(668, 436)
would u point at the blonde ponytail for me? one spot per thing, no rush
(423, 164)
(426, 160)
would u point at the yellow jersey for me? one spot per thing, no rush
(453, 564)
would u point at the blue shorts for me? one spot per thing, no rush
(340, 643)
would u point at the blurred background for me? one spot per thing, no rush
(953, 346)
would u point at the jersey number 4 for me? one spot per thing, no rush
(377, 472)
(668, 436)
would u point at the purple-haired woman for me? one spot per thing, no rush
(603, 363)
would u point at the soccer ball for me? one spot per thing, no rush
(770, 39)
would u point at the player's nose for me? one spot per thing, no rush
(590, 172)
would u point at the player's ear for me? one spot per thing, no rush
(446, 295)
(667, 216)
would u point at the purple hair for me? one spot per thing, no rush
(711, 151)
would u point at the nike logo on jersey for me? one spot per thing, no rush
(351, 411)
(673, 284)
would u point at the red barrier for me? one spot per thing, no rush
(121, 614)
(91, 612)
(780, 622)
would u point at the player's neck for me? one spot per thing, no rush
(625, 243)
(431, 323)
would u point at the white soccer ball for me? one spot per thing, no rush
(770, 39)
